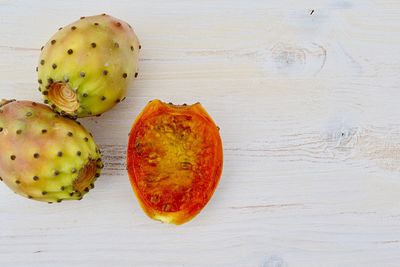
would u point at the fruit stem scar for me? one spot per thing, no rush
(86, 176)
(63, 97)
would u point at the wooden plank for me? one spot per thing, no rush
(306, 95)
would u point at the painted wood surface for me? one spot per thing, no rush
(306, 94)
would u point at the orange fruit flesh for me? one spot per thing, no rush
(174, 160)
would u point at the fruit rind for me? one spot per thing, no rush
(40, 158)
(96, 58)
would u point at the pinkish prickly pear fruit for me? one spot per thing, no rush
(45, 156)
(86, 67)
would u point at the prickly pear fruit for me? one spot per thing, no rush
(45, 156)
(86, 67)
(174, 160)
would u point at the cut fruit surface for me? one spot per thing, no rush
(174, 160)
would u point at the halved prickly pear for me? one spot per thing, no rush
(85, 68)
(174, 160)
(45, 156)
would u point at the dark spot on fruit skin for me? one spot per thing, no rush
(93, 45)
(50, 202)
(123, 98)
(78, 153)
(1, 129)
(140, 47)
(42, 62)
(34, 104)
(118, 100)
(97, 175)
(54, 66)
(70, 134)
(105, 72)
(74, 170)
(131, 47)
(53, 42)
(96, 24)
(50, 80)
(46, 101)
(98, 115)
(103, 98)
(45, 93)
(85, 95)
(56, 173)
(37, 69)
(41, 48)
(82, 74)
(19, 131)
(86, 139)
(44, 193)
(86, 189)
(70, 51)
(71, 194)
(44, 131)
(29, 196)
(59, 200)
(82, 17)
(35, 178)
(36, 155)
(118, 24)
(136, 74)
(13, 157)
(17, 181)
(60, 28)
(116, 45)
(53, 106)
(62, 188)
(40, 81)
(59, 154)
(124, 75)
(1, 179)
(73, 28)
(103, 14)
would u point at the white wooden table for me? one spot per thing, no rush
(307, 95)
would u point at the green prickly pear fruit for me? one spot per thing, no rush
(45, 156)
(87, 66)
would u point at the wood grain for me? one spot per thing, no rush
(306, 94)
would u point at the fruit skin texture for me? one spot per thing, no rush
(174, 160)
(86, 67)
(45, 156)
